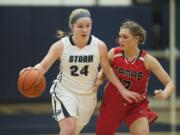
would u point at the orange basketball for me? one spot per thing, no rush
(31, 83)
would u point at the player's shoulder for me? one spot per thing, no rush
(116, 50)
(100, 43)
(57, 46)
(150, 60)
(97, 40)
(64, 40)
(147, 56)
(143, 52)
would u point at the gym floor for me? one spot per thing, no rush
(36, 119)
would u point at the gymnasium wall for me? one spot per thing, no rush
(26, 34)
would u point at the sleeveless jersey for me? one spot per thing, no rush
(78, 67)
(133, 75)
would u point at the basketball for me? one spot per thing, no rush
(31, 83)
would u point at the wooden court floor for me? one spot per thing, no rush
(123, 133)
(9, 111)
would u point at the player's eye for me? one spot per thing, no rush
(88, 25)
(80, 26)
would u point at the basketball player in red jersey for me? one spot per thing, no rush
(133, 67)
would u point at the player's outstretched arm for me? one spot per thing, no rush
(101, 76)
(107, 70)
(153, 65)
(53, 54)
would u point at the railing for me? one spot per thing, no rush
(169, 54)
(165, 53)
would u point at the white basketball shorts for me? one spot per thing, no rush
(70, 104)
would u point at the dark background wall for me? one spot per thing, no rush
(26, 34)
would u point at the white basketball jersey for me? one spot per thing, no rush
(78, 67)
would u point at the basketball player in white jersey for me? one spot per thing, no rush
(73, 92)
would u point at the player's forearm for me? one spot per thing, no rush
(41, 68)
(101, 76)
(114, 79)
(169, 88)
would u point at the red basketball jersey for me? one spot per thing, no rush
(133, 75)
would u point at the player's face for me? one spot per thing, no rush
(127, 40)
(82, 27)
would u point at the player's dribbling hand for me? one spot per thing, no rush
(24, 69)
(160, 94)
(131, 96)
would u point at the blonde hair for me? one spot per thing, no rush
(77, 13)
(74, 16)
(60, 34)
(135, 29)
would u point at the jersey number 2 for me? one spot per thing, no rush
(75, 69)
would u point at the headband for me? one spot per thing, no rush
(75, 18)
